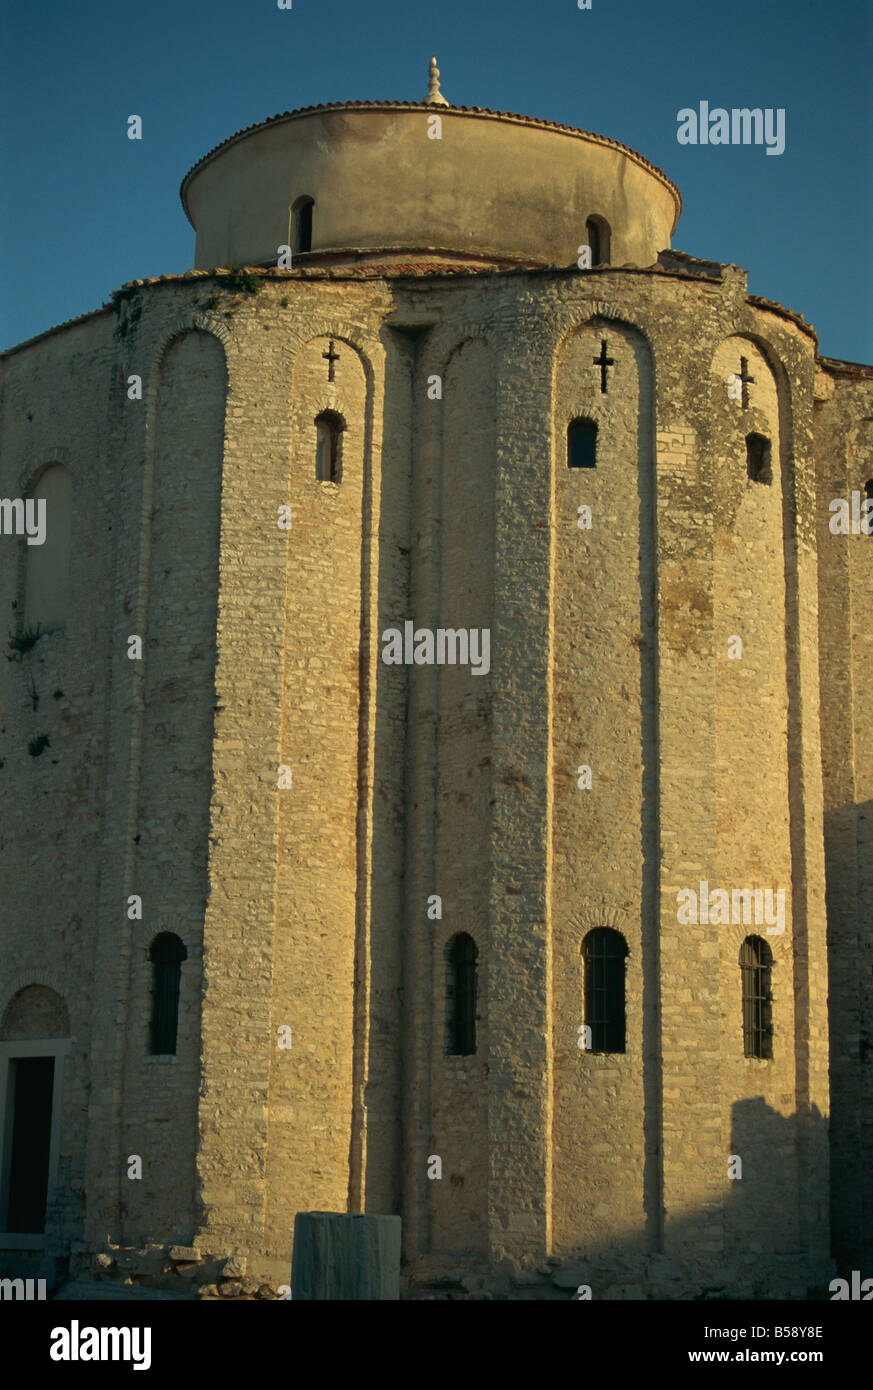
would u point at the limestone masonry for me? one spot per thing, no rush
(290, 927)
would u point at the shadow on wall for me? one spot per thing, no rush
(849, 875)
(777, 1169)
(766, 1238)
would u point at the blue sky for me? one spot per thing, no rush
(85, 209)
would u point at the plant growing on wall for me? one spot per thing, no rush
(23, 641)
(239, 281)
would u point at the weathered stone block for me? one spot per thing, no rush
(184, 1254)
(235, 1267)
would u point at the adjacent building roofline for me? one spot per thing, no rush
(838, 366)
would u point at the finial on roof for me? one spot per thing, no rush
(434, 95)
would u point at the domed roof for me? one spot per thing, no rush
(425, 176)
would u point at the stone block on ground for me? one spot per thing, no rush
(344, 1256)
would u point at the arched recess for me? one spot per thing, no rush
(33, 1045)
(324, 740)
(45, 595)
(172, 754)
(183, 506)
(456, 823)
(603, 848)
(749, 393)
(754, 641)
(35, 1011)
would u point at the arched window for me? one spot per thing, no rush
(328, 447)
(461, 996)
(756, 961)
(301, 226)
(582, 444)
(166, 955)
(598, 234)
(758, 458)
(604, 952)
(47, 564)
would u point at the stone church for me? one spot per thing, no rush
(437, 738)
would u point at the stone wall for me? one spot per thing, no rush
(303, 907)
(604, 839)
(60, 400)
(844, 464)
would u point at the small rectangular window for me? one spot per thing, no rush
(758, 459)
(328, 449)
(582, 444)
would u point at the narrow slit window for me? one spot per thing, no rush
(756, 962)
(597, 232)
(461, 996)
(301, 226)
(581, 444)
(758, 459)
(604, 951)
(328, 447)
(166, 955)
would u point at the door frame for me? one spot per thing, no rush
(28, 1047)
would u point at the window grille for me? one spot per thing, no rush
(756, 960)
(604, 953)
